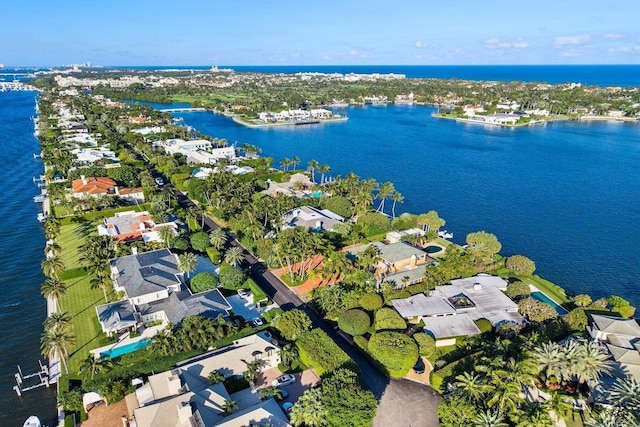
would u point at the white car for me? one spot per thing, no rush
(283, 380)
(257, 322)
(243, 293)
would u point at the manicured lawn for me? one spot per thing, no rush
(552, 290)
(80, 301)
(576, 418)
(70, 239)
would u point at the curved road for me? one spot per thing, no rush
(401, 402)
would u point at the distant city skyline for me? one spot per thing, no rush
(356, 32)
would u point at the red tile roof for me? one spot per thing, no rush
(93, 185)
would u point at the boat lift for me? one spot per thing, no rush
(31, 383)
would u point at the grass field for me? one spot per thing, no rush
(80, 300)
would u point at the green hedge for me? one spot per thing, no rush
(179, 180)
(426, 343)
(102, 214)
(317, 349)
(258, 293)
(214, 255)
(204, 281)
(388, 318)
(371, 301)
(396, 351)
(354, 322)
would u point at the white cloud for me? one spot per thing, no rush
(619, 49)
(354, 53)
(570, 54)
(496, 43)
(576, 40)
(422, 45)
(613, 36)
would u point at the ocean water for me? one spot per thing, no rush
(602, 75)
(564, 194)
(22, 308)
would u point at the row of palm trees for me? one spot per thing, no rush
(195, 332)
(503, 369)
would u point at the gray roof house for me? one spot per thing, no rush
(622, 339)
(154, 290)
(451, 310)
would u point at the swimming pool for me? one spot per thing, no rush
(128, 348)
(542, 297)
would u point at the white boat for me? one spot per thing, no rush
(32, 421)
(445, 235)
(42, 217)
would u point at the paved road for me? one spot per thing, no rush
(401, 402)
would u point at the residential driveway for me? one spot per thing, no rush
(406, 403)
(421, 378)
(304, 381)
(243, 307)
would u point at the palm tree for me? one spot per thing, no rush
(52, 266)
(52, 249)
(218, 238)
(471, 386)
(295, 161)
(53, 288)
(386, 190)
(229, 406)
(397, 198)
(56, 343)
(626, 394)
(489, 419)
(309, 410)
(313, 165)
(269, 392)
(191, 215)
(285, 163)
(100, 280)
(253, 370)
(234, 256)
(57, 320)
(323, 169)
(215, 377)
(51, 227)
(166, 234)
(289, 354)
(187, 263)
(550, 359)
(92, 365)
(591, 362)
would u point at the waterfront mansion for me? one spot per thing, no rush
(154, 291)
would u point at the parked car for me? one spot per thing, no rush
(283, 380)
(418, 368)
(257, 322)
(243, 293)
(159, 181)
(287, 407)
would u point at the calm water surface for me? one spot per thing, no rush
(564, 194)
(22, 308)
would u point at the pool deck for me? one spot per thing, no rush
(124, 339)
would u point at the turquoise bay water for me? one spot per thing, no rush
(564, 194)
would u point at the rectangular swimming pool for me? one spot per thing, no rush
(128, 348)
(542, 297)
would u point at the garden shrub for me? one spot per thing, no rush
(317, 349)
(626, 311)
(362, 343)
(338, 204)
(396, 294)
(518, 290)
(354, 322)
(371, 301)
(426, 343)
(396, 351)
(204, 281)
(214, 255)
(231, 277)
(484, 325)
(180, 244)
(576, 319)
(388, 318)
(199, 241)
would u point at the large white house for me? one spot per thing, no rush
(199, 151)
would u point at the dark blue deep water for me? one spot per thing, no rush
(22, 308)
(564, 194)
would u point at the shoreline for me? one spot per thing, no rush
(518, 125)
(238, 120)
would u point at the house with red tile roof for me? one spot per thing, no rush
(93, 186)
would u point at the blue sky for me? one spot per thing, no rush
(347, 32)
